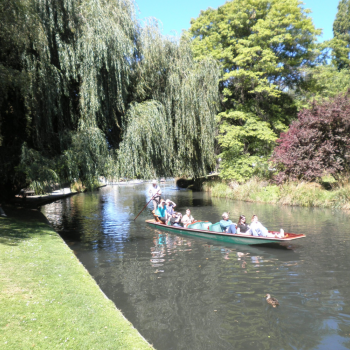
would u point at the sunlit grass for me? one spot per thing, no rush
(48, 300)
(291, 193)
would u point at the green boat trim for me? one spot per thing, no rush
(226, 237)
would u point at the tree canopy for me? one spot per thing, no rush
(261, 46)
(170, 124)
(87, 91)
(341, 32)
(324, 81)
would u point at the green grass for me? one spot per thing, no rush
(291, 193)
(48, 300)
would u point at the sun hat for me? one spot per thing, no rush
(154, 182)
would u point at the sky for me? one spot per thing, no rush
(176, 15)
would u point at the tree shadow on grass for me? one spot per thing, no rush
(21, 224)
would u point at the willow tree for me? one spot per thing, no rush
(260, 46)
(91, 77)
(170, 125)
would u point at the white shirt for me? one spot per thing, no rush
(154, 190)
(187, 219)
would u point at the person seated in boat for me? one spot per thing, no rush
(170, 205)
(242, 226)
(161, 211)
(258, 230)
(227, 225)
(188, 218)
(175, 220)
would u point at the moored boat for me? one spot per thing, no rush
(223, 236)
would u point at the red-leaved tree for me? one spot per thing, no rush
(317, 143)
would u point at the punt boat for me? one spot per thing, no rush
(223, 236)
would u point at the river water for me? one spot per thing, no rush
(191, 293)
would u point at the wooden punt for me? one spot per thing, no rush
(225, 237)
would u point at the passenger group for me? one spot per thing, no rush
(164, 212)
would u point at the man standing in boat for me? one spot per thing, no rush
(155, 193)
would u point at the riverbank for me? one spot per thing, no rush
(293, 193)
(48, 299)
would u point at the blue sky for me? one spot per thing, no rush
(176, 15)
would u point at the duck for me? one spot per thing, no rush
(273, 301)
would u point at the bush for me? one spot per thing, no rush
(316, 144)
(77, 187)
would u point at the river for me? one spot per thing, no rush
(191, 293)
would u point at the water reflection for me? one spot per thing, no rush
(189, 293)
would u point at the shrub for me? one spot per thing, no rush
(317, 143)
(77, 187)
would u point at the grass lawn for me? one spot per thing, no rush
(48, 300)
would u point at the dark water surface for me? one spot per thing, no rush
(191, 293)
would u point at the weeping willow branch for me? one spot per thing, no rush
(88, 91)
(172, 132)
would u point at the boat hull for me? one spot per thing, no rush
(224, 237)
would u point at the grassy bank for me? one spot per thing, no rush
(48, 300)
(292, 193)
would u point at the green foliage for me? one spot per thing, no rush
(86, 157)
(296, 193)
(77, 187)
(240, 141)
(39, 170)
(325, 82)
(260, 47)
(172, 130)
(341, 32)
(253, 190)
(77, 73)
(269, 194)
